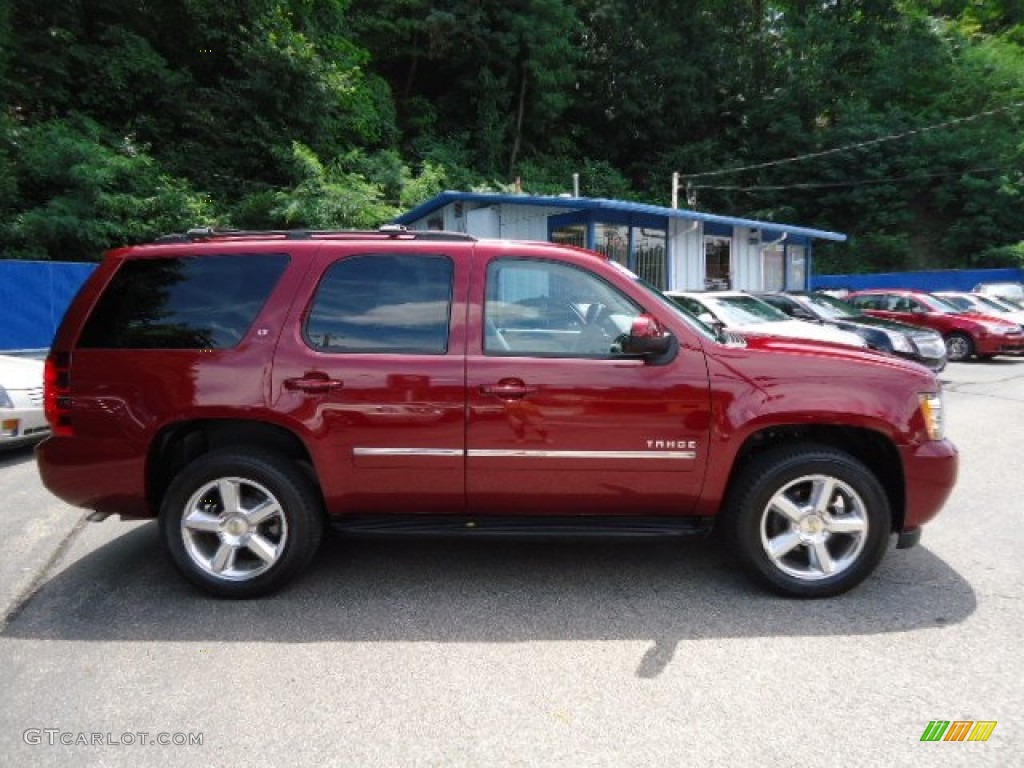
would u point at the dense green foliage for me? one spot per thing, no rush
(895, 121)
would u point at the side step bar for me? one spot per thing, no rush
(582, 526)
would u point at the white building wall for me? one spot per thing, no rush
(510, 222)
(685, 240)
(525, 222)
(484, 222)
(746, 259)
(686, 255)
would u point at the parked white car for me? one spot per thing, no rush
(21, 401)
(1012, 291)
(743, 313)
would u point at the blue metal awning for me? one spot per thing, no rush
(769, 229)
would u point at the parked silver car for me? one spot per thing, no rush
(21, 401)
(978, 302)
(743, 313)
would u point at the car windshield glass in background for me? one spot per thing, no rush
(831, 307)
(745, 310)
(987, 303)
(938, 304)
(962, 304)
(679, 309)
(383, 303)
(204, 302)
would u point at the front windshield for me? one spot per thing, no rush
(962, 304)
(830, 306)
(994, 305)
(939, 304)
(744, 310)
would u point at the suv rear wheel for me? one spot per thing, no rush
(241, 525)
(810, 521)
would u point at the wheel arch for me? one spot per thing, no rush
(179, 444)
(873, 449)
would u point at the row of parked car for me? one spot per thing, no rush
(930, 328)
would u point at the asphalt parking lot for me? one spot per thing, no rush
(435, 653)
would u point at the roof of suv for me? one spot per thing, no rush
(387, 232)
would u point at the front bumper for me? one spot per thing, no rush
(930, 471)
(1000, 345)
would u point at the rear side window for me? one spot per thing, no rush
(192, 302)
(383, 303)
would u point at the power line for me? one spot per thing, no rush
(857, 145)
(838, 184)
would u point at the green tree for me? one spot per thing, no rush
(496, 74)
(81, 193)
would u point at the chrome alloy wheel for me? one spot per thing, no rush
(814, 528)
(958, 347)
(234, 529)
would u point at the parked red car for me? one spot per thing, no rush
(250, 389)
(967, 334)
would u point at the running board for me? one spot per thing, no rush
(597, 526)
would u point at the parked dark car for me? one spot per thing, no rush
(912, 342)
(966, 333)
(249, 389)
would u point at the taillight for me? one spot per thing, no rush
(57, 393)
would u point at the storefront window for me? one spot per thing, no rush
(774, 274)
(796, 268)
(717, 274)
(571, 234)
(649, 247)
(613, 241)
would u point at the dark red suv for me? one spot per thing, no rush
(250, 388)
(966, 333)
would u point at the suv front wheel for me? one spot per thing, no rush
(241, 524)
(810, 521)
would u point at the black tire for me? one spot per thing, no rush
(792, 553)
(959, 347)
(254, 521)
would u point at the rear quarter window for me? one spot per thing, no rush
(383, 303)
(190, 302)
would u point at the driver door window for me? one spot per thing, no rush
(545, 309)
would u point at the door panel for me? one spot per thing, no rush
(375, 373)
(576, 428)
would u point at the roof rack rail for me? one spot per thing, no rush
(390, 231)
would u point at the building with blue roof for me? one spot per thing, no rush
(672, 248)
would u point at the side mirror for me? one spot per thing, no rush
(646, 338)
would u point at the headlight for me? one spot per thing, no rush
(934, 416)
(901, 343)
(5, 399)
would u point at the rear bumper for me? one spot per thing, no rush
(103, 475)
(19, 426)
(930, 471)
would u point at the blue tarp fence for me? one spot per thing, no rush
(34, 295)
(934, 280)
